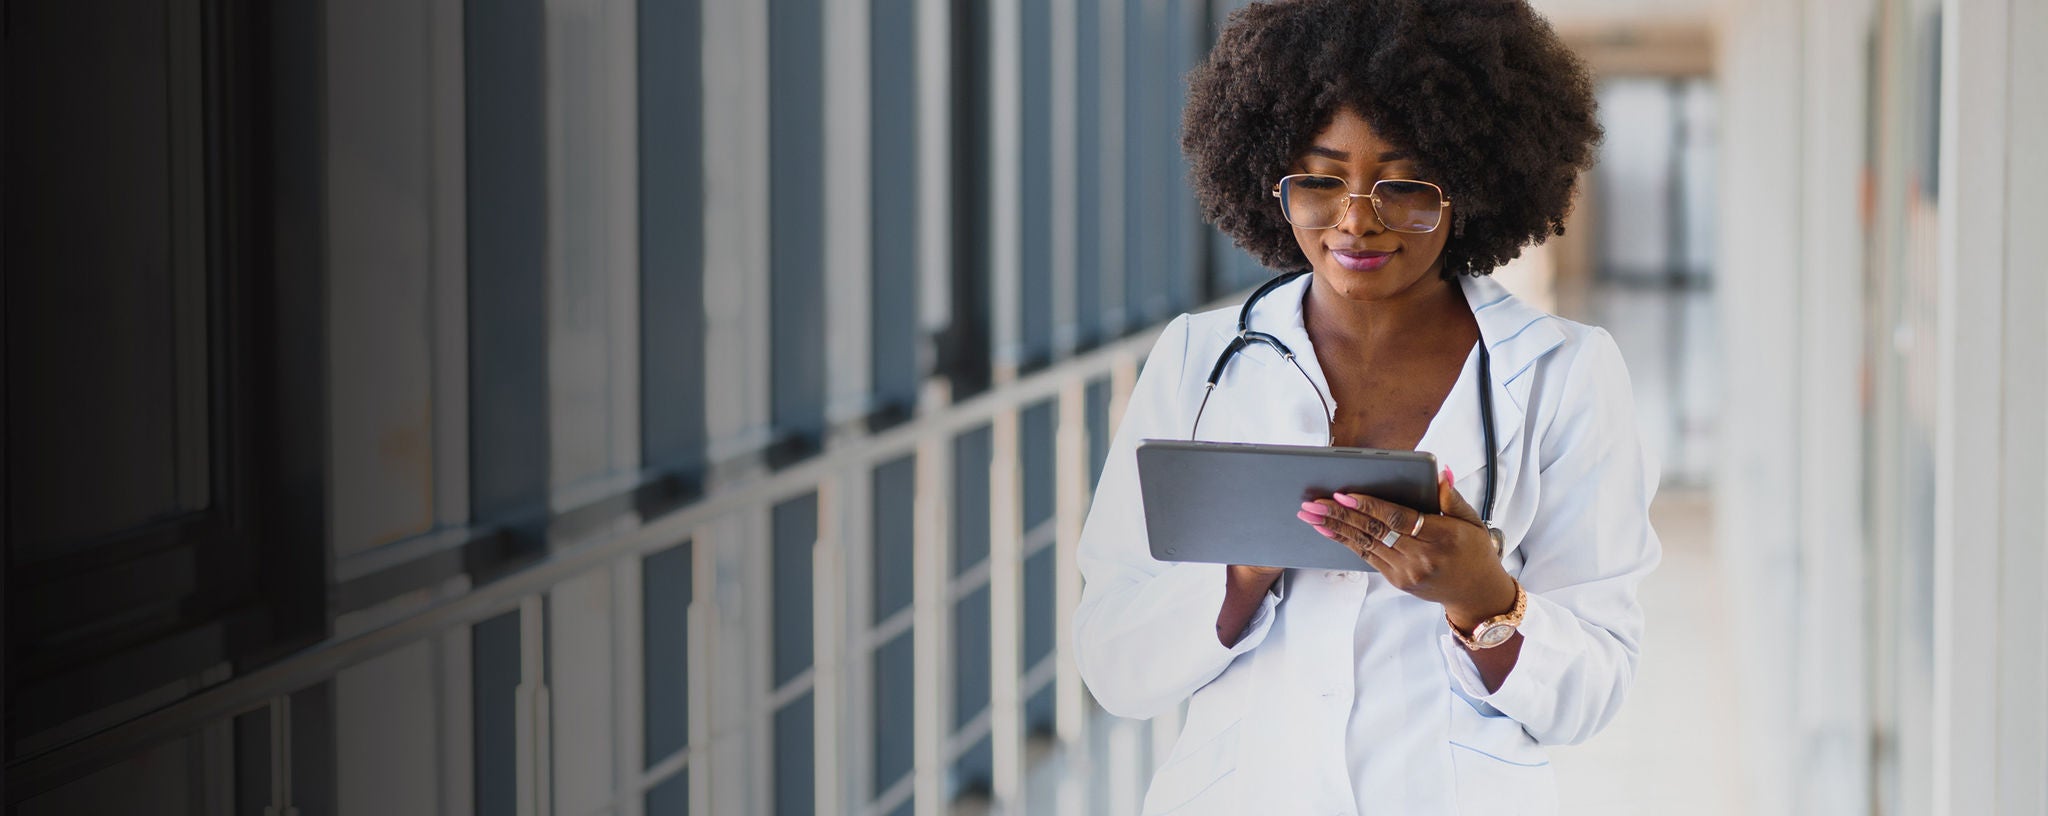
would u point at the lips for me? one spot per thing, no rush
(1364, 260)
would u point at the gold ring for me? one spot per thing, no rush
(1418, 526)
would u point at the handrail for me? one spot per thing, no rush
(42, 772)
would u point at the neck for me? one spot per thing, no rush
(1423, 314)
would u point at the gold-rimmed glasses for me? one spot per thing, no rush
(1317, 201)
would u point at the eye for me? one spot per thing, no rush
(1319, 183)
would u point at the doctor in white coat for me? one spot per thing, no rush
(1432, 684)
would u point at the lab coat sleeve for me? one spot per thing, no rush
(1145, 632)
(1586, 554)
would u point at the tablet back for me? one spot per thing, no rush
(1234, 503)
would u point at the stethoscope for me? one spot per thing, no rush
(1246, 337)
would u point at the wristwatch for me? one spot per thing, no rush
(1496, 630)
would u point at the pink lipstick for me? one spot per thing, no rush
(1365, 261)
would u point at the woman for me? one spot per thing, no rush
(1398, 150)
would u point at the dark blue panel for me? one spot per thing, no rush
(671, 797)
(503, 57)
(494, 679)
(1038, 451)
(971, 656)
(1098, 430)
(1035, 206)
(1041, 712)
(1039, 601)
(796, 247)
(795, 534)
(664, 606)
(1088, 185)
(1148, 149)
(894, 145)
(963, 351)
(795, 776)
(671, 236)
(973, 453)
(895, 699)
(974, 772)
(895, 528)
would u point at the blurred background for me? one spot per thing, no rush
(690, 406)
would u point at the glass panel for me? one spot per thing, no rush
(895, 497)
(1035, 204)
(1098, 430)
(795, 535)
(795, 760)
(1038, 453)
(252, 762)
(494, 683)
(973, 454)
(964, 348)
(796, 149)
(896, 215)
(1041, 711)
(671, 236)
(895, 700)
(1039, 627)
(665, 581)
(671, 797)
(974, 771)
(970, 656)
(503, 66)
(1088, 183)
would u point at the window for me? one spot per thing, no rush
(503, 69)
(796, 147)
(665, 639)
(896, 211)
(671, 239)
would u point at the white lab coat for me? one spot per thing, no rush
(1346, 695)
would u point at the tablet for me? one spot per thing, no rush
(1234, 503)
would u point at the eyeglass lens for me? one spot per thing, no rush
(1319, 202)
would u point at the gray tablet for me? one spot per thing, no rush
(1234, 503)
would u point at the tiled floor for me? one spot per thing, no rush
(1673, 749)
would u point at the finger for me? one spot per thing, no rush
(1453, 503)
(1349, 538)
(1399, 517)
(1353, 522)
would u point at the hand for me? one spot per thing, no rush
(1449, 560)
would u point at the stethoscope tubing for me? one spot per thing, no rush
(1246, 338)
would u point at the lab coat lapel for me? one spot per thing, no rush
(1517, 335)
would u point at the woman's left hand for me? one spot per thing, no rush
(1448, 559)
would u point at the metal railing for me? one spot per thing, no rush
(833, 475)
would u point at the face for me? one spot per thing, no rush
(1359, 258)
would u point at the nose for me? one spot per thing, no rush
(1360, 218)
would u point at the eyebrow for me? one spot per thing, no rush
(1339, 155)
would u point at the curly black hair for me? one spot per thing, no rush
(1482, 93)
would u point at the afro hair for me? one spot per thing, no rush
(1492, 105)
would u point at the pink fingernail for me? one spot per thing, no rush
(1309, 517)
(1325, 531)
(1346, 500)
(1447, 475)
(1316, 508)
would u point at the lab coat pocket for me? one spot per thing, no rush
(1500, 768)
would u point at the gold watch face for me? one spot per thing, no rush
(1496, 634)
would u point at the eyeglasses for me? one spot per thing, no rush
(1316, 201)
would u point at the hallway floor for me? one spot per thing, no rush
(1674, 748)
